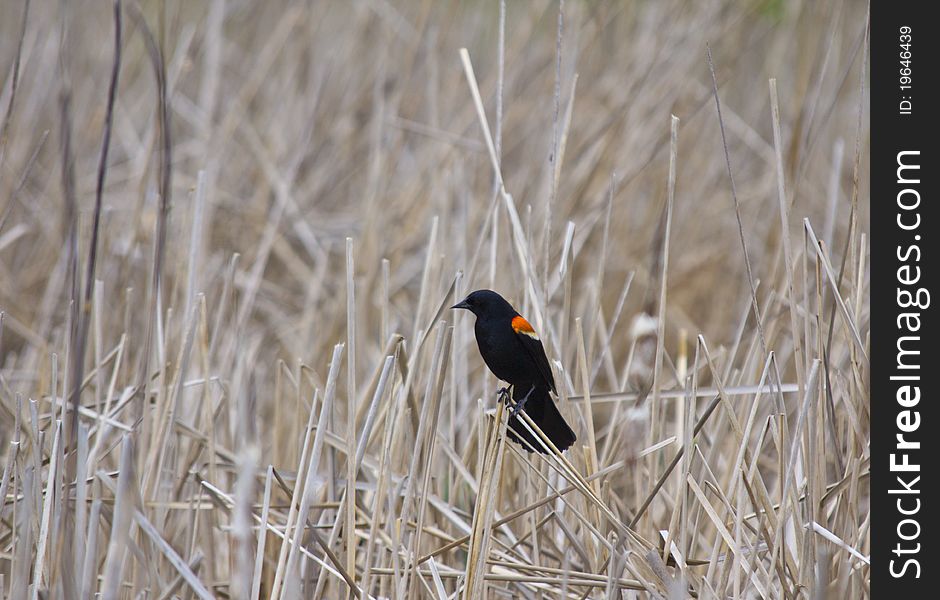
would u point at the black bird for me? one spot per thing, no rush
(513, 352)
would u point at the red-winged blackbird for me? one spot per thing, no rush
(513, 352)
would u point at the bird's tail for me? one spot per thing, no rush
(542, 410)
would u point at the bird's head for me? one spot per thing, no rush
(486, 303)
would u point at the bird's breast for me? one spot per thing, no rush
(501, 351)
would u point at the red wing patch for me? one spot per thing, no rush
(520, 325)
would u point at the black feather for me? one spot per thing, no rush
(536, 352)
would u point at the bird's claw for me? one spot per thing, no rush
(514, 410)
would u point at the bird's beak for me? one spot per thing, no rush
(461, 304)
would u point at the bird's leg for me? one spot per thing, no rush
(521, 403)
(502, 394)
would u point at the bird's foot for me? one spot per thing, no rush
(513, 411)
(502, 395)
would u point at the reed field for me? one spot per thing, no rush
(231, 232)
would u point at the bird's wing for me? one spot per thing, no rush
(533, 347)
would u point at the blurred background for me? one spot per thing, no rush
(311, 145)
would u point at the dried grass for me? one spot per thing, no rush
(228, 241)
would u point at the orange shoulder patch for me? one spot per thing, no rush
(520, 325)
